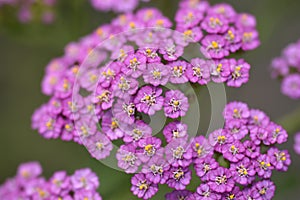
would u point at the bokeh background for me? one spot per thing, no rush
(26, 49)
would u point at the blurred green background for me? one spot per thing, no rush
(26, 49)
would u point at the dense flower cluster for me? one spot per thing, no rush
(219, 28)
(157, 60)
(29, 9)
(235, 162)
(107, 86)
(119, 6)
(287, 68)
(28, 184)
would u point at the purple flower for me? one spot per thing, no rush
(179, 178)
(50, 127)
(137, 131)
(81, 194)
(258, 135)
(243, 172)
(245, 21)
(151, 54)
(142, 188)
(122, 54)
(108, 74)
(156, 170)
(148, 100)
(251, 150)
(178, 194)
(221, 180)
(201, 147)
(55, 106)
(263, 166)
(135, 64)
(250, 40)
(127, 158)
(103, 98)
(84, 179)
(279, 159)
(236, 110)
(111, 126)
(175, 130)
(64, 88)
(258, 119)
(178, 72)
(179, 153)
(214, 24)
(220, 71)
(29, 185)
(291, 86)
(219, 140)
(234, 151)
(156, 74)
(265, 189)
(89, 78)
(250, 193)
(71, 108)
(187, 18)
(235, 194)
(276, 134)
(85, 128)
(68, 132)
(99, 146)
(236, 128)
(171, 51)
(291, 54)
(233, 40)
(198, 71)
(204, 166)
(239, 73)
(124, 87)
(213, 46)
(175, 104)
(29, 171)
(187, 36)
(206, 193)
(160, 22)
(279, 67)
(59, 183)
(149, 146)
(124, 111)
(224, 9)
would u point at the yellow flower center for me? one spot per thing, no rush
(215, 44)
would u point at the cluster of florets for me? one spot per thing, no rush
(235, 162)
(120, 6)
(157, 62)
(28, 10)
(28, 184)
(287, 68)
(219, 28)
(101, 93)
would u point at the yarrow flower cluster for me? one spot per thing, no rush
(120, 6)
(219, 28)
(157, 61)
(235, 162)
(287, 69)
(107, 86)
(30, 9)
(28, 184)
